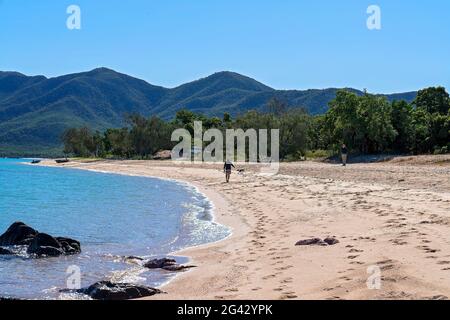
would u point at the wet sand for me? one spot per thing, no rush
(392, 216)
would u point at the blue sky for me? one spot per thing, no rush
(287, 44)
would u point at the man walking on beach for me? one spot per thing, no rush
(227, 169)
(344, 154)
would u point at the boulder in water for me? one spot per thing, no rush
(38, 244)
(166, 264)
(4, 251)
(69, 246)
(18, 234)
(159, 263)
(107, 290)
(46, 245)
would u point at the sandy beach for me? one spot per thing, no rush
(393, 215)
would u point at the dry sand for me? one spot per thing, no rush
(393, 215)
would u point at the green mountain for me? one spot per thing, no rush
(34, 111)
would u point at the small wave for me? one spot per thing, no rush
(131, 275)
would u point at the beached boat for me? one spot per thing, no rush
(62, 160)
(36, 161)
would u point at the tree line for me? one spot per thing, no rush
(367, 124)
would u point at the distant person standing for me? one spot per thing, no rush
(227, 169)
(344, 154)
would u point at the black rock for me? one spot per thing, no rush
(106, 290)
(39, 244)
(166, 264)
(331, 241)
(45, 245)
(4, 251)
(133, 258)
(311, 242)
(69, 246)
(177, 267)
(18, 234)
(160, 263)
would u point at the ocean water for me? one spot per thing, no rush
(111, 215)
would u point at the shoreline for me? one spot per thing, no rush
(218, 203)
(393, 215)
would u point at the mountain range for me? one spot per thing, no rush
(35, 110)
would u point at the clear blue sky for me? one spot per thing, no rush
(287, 44)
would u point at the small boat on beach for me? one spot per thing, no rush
(62, 161)
(36, 161)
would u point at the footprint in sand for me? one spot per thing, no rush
(387, 267)
(399, 242)
(288, 296)
(284, 268)
(271, 276)
(287, 280)
(345, 278)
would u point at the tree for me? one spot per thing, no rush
(79, 142)
(440, 133)
(117, 142)
(342, 121)
(227, 118)
(430, 118)
(433, 100)
(277, 106)
(294, 133)
(402, 120)
(364, 123)
(375, 124)
(147, 136)
(421, 122)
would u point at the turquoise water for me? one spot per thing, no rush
(111, 215)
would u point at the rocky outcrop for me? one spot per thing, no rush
(18, 234)
(132, 259)
(46, 245)
(38, 244)
(329, 241)
(106, 290)
(166, 264)
(4, 251)
(69, 246)
(311, 242)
